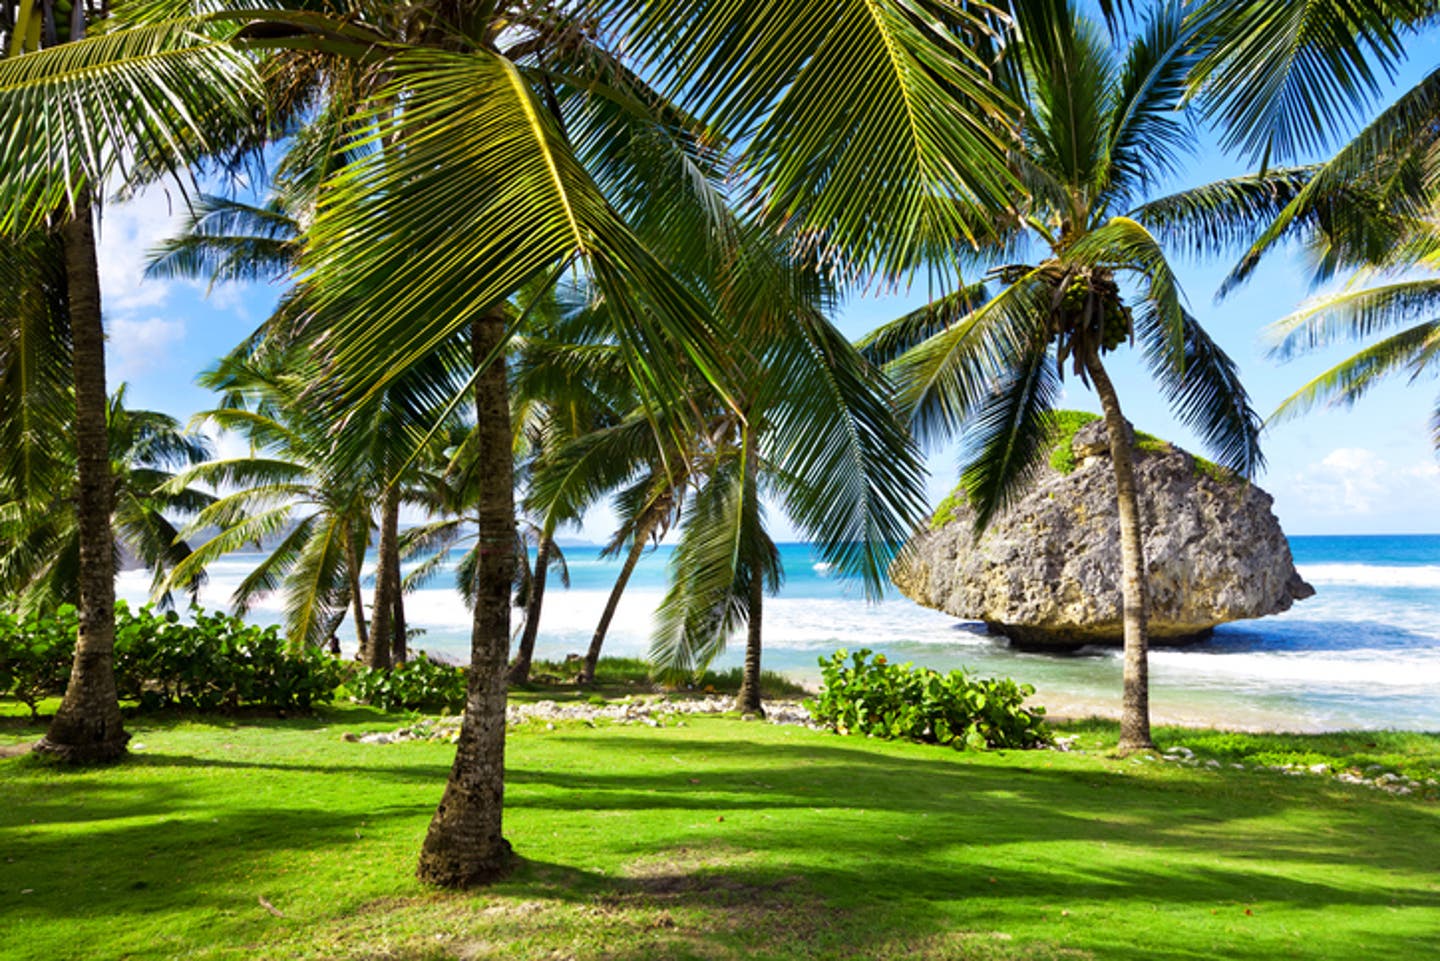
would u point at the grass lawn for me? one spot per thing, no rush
(716, 839)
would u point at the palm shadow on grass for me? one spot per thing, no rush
(827, 848)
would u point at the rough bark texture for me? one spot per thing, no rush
(87, 727)
(387, 583)
(520, 667)
(465, 844)
(1046, 572)
(748, 700)
(1135, 710)
(357, 596)
(400, 644)
(592, 656)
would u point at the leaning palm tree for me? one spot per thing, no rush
(39, 538)
(1096, 130)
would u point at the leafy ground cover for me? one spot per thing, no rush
(718, 838)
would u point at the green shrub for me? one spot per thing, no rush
(216, 661)
(418, 684)
(875, 697)
(35, 654)
(161, 661)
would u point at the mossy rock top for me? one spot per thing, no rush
(1062, 459)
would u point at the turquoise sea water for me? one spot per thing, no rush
(1363, 652)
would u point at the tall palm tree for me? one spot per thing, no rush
(59, 192)
(901, 148)
(39, 539)
(1098, 127)
(282, 489)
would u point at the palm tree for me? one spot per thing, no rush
(40, 556)
(1096, 130)
(811, 425)
(901, 148)
(282, 489)
(58, 193)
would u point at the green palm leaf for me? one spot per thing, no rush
(1282, 77)
(862, 120)
(1413, 349)
(137, 97)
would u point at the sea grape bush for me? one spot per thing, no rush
(161, 661)
(35, 654)
(869, 696)
(419, 683)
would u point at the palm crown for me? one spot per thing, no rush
(1098, 130)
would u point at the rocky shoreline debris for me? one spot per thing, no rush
(657, 711)
(649, 711)
(1372, 776)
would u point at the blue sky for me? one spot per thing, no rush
(1370, 469)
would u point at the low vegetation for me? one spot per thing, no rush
(208, 662)
(870, 696)
(718, 839)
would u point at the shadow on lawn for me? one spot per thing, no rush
(890, 856)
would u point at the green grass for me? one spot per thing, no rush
(717, 839)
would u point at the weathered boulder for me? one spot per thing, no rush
(1047, 572)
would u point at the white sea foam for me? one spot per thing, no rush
(1372, 575)
(1357, 654)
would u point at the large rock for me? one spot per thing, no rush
(1047, 572)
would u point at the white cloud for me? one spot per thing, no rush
(128, 231)
(1356, 480)
(136, 346)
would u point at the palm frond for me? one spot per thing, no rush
(943, 379)
(1283, 77)
(853, 477)
(143, 96)
(886, 343)
(1413, 349)
(1218, 217)
(1008, 433)
(861, 119)
(709, 596)
(1203, 388)
(1148, 137)
(1355, 314)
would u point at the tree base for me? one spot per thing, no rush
(84, 752)
(1135, 746)
(747, 706)
(446, 870)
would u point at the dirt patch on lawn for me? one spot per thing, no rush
(14, 750)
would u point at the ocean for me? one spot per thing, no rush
(1364, 652)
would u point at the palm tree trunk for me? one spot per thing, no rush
(1135, 590)
(637, 548)
(88, 727)
(748, 700)
(520, 667)
(400, 647)
(387, 567)
(353, 555)
(465, 844)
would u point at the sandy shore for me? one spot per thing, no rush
(1066, 707)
